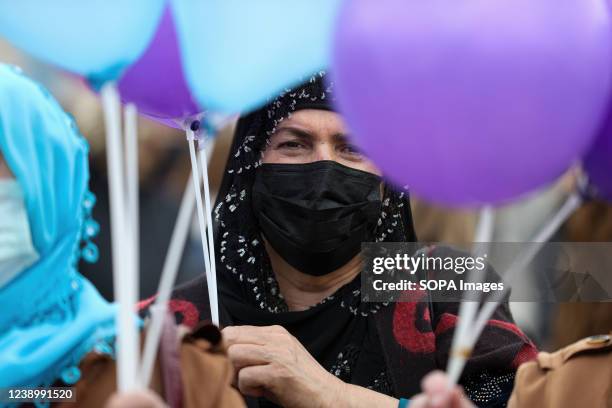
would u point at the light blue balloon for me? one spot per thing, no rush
(94, 38)
(237, 53)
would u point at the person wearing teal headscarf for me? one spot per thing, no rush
(50, 315)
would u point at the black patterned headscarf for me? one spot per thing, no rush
(241, 253)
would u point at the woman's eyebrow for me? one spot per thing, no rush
(300, 133)
(341, 138)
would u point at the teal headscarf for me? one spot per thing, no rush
(50, 315)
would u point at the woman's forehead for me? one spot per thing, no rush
(315, 118)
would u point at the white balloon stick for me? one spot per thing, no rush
(125, 292)
(132, 190)
(200, 211)
(481, 319)
(167, 279)
(168, 276)
(212, 283)
(460, 348)
(484, 228)
(130, 114)
(545, 233)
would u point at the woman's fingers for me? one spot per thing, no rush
(272, 363)
(460, 400)
(251, 334)
(435, 386)
(135, 399)
(439, 395)
(244, 355)
(254, 381)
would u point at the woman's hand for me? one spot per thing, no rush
(437, 394)
(135, 399)
(270, 362)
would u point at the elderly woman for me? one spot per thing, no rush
(55, 328)
(296, 202)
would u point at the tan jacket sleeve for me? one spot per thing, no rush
(579, 375)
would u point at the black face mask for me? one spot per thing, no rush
(316, 215)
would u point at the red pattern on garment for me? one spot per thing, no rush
(508, 326)
(447, 321)
(527, 352)
(405, 331)
(188, 311)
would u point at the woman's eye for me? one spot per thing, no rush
(290, 145)
(350, 150)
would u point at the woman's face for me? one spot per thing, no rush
(310, 135)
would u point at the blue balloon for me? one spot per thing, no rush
(237, 53)
(97, 39)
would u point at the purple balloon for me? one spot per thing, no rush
(473, 102)
(598, 162)
(155, 83)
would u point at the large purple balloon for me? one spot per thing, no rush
(598, 162)
(472, 102)
(155, 83)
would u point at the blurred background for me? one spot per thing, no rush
(164, 171)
